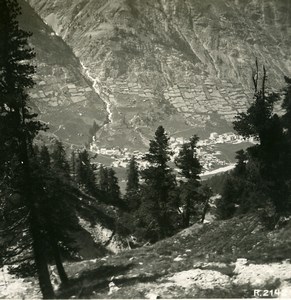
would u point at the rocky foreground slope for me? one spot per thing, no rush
(201, 261)
(184, 64)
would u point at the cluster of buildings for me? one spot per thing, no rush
(209, 157)
(226, 138)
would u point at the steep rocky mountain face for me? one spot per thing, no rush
(184, 64)
(63, 96)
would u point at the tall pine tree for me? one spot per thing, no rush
(18, 128)
(52, 175)
(263, 180)
(113, 187)
(59, 161)
(103, 179)
(159, 199)
(132, 196)
(85, 172)
(190, 168)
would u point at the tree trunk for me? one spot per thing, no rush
(186, 214)
(204, 211)
(41, 261)
(57, 257)
(40, 257)
(186, 218)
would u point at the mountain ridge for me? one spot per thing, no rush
(63, 97)
(183, 64)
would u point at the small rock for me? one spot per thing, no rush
(241, 261)
(112, 288)
(286, 261)
(152, 296)
(198, 265)
(240, 264)
(178, 258)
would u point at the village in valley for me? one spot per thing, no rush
(209, 155)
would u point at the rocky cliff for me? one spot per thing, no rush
(184, 64)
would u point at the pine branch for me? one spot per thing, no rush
(18, 261)
(13, 227)
(21, 250)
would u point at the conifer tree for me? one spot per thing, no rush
(226, 206)
(286, 120)
(190, 168)
(234, 190)
(263, 180)
(205, 194)
(113, 187)
(103, 179)
(57, 213)
(159, 201)
(59, 160)
(18, 127)
(86, 172)
(132, 175)
(132, 187)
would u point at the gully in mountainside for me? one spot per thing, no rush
(96, 87)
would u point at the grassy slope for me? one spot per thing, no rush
(211, 246)
(196, 263)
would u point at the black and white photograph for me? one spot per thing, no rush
(145, 149)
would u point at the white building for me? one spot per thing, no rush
(213, 135)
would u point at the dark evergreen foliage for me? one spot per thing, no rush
(113, 187)
(187, 161)
(59, 162)
(132, 176)
(261, 179)
(57, 210)
(85, 172)
(18, 127)
(132, 196)
(216, 182)
(103, 179)
(159, 201)
(190, 168)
